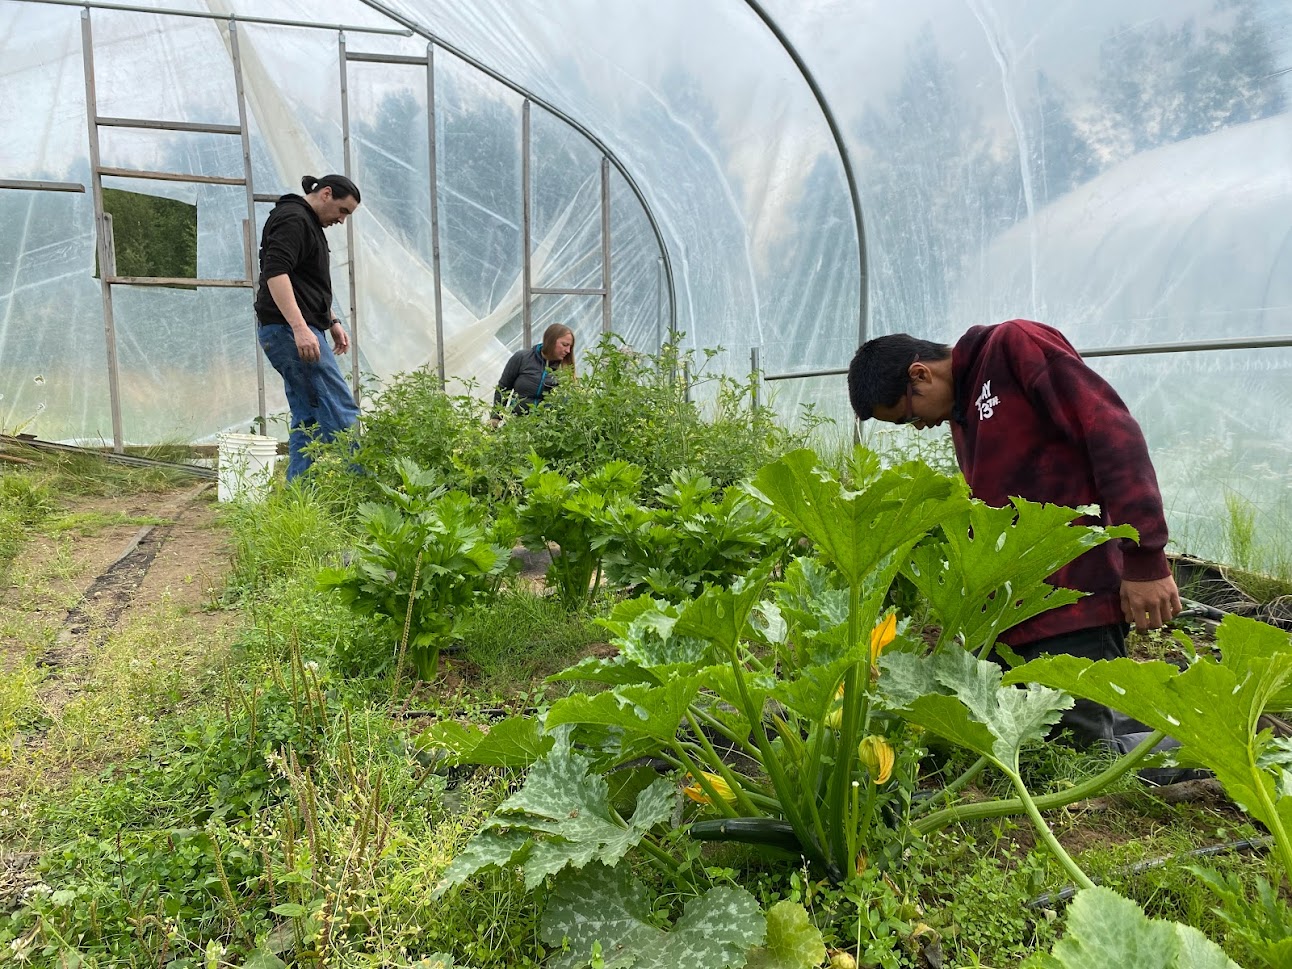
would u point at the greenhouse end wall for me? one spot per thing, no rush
(1115, 169)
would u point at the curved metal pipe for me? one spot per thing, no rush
(842, 148)
(421, 31)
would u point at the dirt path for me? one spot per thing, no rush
(109, 598)
(139, 558)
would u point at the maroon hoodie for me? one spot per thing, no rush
(1032, 420)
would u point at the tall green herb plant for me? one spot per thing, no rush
(425, 556)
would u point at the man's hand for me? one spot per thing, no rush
(340, 339)
(1148, 605)
(307, 344)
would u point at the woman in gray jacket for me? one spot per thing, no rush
(532, 372)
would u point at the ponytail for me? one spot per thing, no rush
(342, 187)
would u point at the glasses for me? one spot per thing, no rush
(911, 417)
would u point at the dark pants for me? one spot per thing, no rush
(1090, 722)
(1093, 723)
(321, 401)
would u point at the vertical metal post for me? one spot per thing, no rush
(435, 211)
(349, 223)
(250, 255)
(659, 303)
(527, 321)
(605, 244)
(111, 267)
(755, 377)
(102, 245)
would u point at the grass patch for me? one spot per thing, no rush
(86, 523)
(292, 533)
(522, 636)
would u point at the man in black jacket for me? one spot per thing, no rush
(294, 312)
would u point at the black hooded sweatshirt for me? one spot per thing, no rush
(293, 244)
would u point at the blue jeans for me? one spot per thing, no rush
(321, 401)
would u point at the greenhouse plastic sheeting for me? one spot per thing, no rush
(1118, 168)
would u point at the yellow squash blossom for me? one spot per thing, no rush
(881, 636)
(834, 719)
(877, 755)
(696, 793)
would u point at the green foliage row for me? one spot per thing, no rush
(831, 774)
(622, 406)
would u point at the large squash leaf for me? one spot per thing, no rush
(990, 573)
(514, 742)
(608, 906)
(961, 699)
(890, 510)
(721, 616)
(562, 816)
(637, 709)
(793, 942)
(1107, 931)
(1212, 707)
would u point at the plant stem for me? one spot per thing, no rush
(736, 786)
(780, 782)
(842, 831)
(954, 787)
(727, 732)
(760, 797)
(1047, 835)
(1273, 822)
(661, 858)
(1046, 802)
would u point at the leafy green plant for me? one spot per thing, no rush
(1212, 708)
(604, 914)
(1263, 923)
(626, 404)
(1107, 930)
(769, 698)
(426, 557)
(575, 516)
(690, 538)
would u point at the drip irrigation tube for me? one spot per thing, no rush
(1053, 899)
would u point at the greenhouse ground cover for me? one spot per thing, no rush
(236, 782)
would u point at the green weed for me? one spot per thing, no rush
(292, 533)
(521, 636)
(85, 523)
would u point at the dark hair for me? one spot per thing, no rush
(550, 336)
(878, 374)
(342, 187)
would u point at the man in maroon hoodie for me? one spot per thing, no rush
(1030, 419)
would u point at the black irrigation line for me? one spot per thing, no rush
(97, 610)
(1054, 899)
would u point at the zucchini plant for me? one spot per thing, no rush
(787, 704)
(1213, 707)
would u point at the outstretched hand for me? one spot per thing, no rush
(1149, 605)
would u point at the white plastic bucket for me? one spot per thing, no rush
(246, 466)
